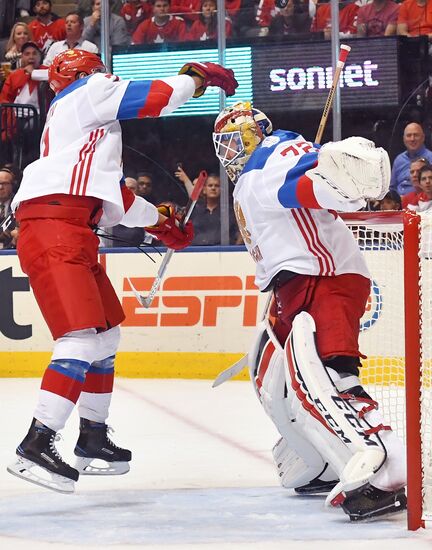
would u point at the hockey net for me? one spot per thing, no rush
(396, 336)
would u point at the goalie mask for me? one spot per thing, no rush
(238, 131)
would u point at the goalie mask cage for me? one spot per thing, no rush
(396, 336)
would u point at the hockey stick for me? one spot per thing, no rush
(242, 363)
(146, 301)
(343, 54)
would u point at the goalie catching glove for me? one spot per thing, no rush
(212, 75)
(169, 231)
(353, 168)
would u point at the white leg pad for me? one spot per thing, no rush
(297, 461)
(328, 411)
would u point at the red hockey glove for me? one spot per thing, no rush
(213, 75)
(169, 231)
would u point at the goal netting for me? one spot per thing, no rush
(396, 336)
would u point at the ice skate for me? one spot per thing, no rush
(316, 487)
(39, 461)
(97, 454)
(369, 503)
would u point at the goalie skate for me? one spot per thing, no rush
(369, 503)
(97, 454)
(40, 463)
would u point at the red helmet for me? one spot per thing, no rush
(66, 65)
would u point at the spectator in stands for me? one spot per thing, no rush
(117, 27)
(19, 86)
(145, 187)
(47, 27)
(391, 201)
(205, 27)
(232, 7)
(23, 8)
(254, 17)
(347, 19)
(7, 182)
(134, 12)
(206, 215)
(415, 18)
(413, 139)
(74, 29)
(85, 7)
(19, 35)
(414, 172)
(162, 27)
(293, 19)
(423, 201)
(187, 9)
(379, 18)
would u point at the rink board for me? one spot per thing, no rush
(202, 320)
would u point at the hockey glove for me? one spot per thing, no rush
(169, 232)
(213, 75)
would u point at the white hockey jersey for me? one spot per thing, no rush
(287, 221)
(81, 144)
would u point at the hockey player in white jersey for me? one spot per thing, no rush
(305, 361)
(76, 184)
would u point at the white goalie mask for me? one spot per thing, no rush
(238, 131)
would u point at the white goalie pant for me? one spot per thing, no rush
(316, 423)
(348, 431)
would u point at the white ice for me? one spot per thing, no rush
(202, 477)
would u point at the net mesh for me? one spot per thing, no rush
(382, 337)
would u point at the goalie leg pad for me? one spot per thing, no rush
(297, 461)
(328, 409)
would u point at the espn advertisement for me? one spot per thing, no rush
(202, 320)
(298, 76)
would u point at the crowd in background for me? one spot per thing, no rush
(38, 35)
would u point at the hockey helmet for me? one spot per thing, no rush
(68, 64)
(238, 131)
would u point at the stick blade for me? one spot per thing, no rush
(231, 371)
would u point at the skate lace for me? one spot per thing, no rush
(110, 430)
(52, 442)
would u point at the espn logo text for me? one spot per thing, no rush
(192, 301)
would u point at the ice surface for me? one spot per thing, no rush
(201, 478)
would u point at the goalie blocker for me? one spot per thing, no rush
(333, 437)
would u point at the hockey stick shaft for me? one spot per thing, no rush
(343, 54)
(146, 301)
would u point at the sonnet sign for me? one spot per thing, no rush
(298, 76)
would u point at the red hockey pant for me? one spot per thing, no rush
(336, 305)
(58, 251)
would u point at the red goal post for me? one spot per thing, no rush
(396, 335)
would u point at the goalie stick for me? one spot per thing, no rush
(146, 301)
(242, 363)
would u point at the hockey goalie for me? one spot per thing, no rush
(305, 362)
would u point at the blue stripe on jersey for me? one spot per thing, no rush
(287, 194)
(71, 88)
(134, 99)
(261, 154)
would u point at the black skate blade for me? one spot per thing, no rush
(316, 487)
